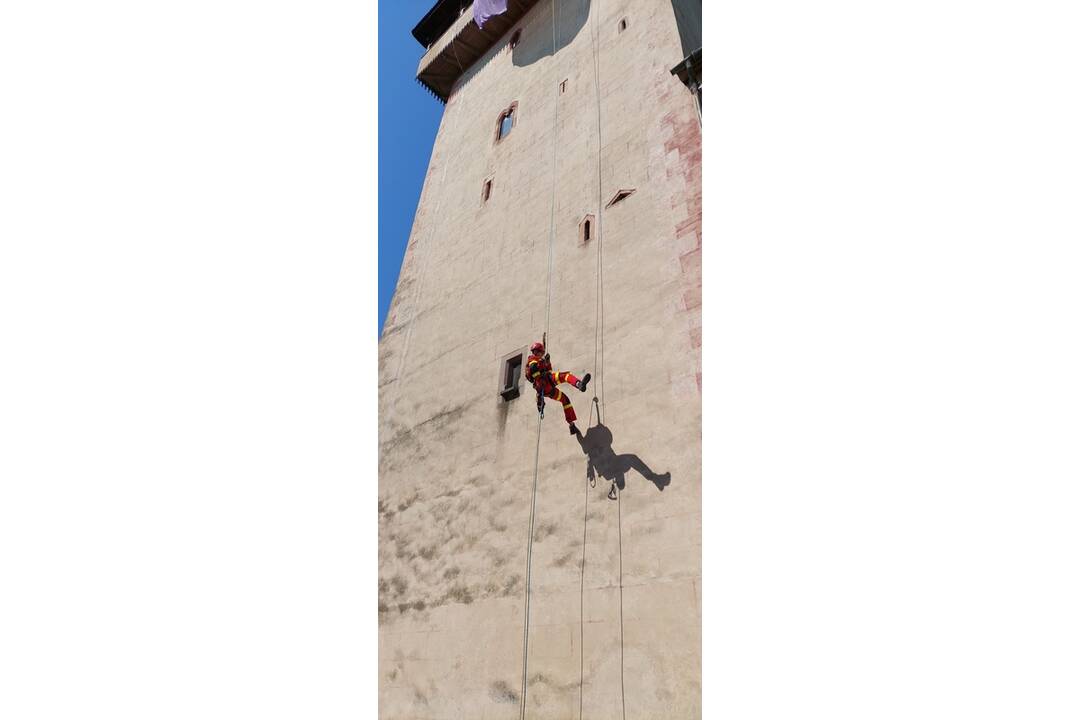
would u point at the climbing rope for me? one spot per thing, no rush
(598, 363)
(622, 641)
(597, 398)
(581, 609)
(598, 333)
(554, 171)
(528, 574)
(540, 419)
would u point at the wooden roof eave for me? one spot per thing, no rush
(440, 70)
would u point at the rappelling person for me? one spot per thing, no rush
(538, 371)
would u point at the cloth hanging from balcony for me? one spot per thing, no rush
(484, 10)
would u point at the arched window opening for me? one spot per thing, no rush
(586, 229)
(485, 194)
(622, 24)
(506, 122)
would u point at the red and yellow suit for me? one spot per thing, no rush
(538, 372)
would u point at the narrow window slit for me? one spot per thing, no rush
(585, 229)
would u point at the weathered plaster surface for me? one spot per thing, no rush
(456, 461)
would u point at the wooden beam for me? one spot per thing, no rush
(468, 47)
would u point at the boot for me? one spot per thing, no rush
(583, 382)
(574, 430)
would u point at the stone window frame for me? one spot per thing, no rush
(587, 223)
(619, 196)
(511, 111)
(511, 372)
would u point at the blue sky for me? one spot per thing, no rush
(408, 119)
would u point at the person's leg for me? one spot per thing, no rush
(554, 393)
(565, 377)
(568, 409)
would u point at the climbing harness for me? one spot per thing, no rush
(544, 374)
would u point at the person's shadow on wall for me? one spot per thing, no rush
(603, 461)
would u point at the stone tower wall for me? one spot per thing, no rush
(615, 603)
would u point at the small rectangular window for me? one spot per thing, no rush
(511, 375)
